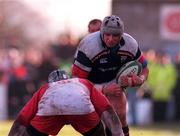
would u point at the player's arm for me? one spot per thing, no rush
(136, 80)
(26, 114)
(18, 129)
(30, 109)
(108, 89)
(82, 64)
(112, 121)
(77, 71)
(145, 72)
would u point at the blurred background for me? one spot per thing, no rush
(37, 36)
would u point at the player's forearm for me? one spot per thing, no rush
(109, 89)
(112, 121)
(18, 129)
(145, 73)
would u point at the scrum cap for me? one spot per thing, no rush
(112, 25)
(57, 75)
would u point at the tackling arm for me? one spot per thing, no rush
(18, 129)
(26, 114)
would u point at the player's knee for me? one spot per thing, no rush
(122, 112)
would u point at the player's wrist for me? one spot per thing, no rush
(138, 81)
(143, 77)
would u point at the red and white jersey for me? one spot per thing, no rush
(67, 97)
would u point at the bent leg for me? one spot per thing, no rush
(119, 102)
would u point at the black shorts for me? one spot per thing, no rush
(98, 130)
(34, 132)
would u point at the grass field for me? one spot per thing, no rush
(153, 130)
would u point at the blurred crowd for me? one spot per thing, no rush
(158, 99)
(23, 70)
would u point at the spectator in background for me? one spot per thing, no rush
(138, 97)
(17, 81)
(139, 100)
(99, 57)
(161, 81)
(176, 91)
(49, 63)
(82, 107)
(94, 25)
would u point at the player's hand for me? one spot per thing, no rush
(113, 89)
(132, 80)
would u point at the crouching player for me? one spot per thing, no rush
(65, 101)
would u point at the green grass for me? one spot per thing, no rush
(153, 130)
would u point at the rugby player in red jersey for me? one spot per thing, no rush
(66, 101)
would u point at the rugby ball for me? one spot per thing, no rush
(132, 67)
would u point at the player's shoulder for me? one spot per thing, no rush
(78, 80)
(90, 45)
(129, 40)
(40, 92)
(130, 44)
(44, 86)
(90, 42)
(86, 82)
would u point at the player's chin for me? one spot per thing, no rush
(111, 45)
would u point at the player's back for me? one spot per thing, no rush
(66, 97)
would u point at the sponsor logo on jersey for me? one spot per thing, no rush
(103, 60)
(123, 59)
(108, 69)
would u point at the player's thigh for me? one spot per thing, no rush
(119, 102)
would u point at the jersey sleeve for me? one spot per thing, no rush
(82, 64)
(79, 72)
(99, 101)
(143, 60)
(30, 109)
